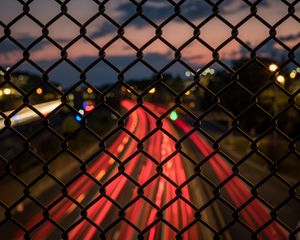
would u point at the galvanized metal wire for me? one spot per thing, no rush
(158, 80)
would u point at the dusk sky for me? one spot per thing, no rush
(158, 54)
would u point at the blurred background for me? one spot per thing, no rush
(64, 75)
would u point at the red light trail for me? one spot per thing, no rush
(157, 193)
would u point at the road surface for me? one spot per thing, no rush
(133, 190)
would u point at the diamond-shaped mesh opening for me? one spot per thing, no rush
(171, 34)
(141, 223)
(11, 147)
(69, 210)
(151, 7)
(285, 169)
(215, 124)
(44, 142)
(226, 11)
(261, 120)
(239, 51)
(21, 28)
(10, 55)
(196, 53)
(235, 146)
(75, 143)
(267, 148)
(90, 49)
(25, 207)
(196, 11)
(290, 221)
(247, 28)
(27, 162)
(10, 181)
(268, 195)
(257, 162)
(215, 208)
(149, 119)
(82, 14)
(102, 218)
(10, 5)
(139, 24)
(83, 182)
(60, 161)
(210, 27)
(183, 210)
(280, 11)
(71, 33)
(53, 10)
(37, 191)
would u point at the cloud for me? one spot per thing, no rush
(104, 29)
(158, 11)
(7, 46)
(290, 37)
(232, 7)
(270, 49)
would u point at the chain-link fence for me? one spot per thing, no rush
(149, 119)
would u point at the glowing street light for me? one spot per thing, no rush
(39, 91)
(89, 90)
(188, 74)
(293, 74)
(151, 91)
(273, 67)
(280, 79)
(187, 93)
(7, 91)
(298, 69)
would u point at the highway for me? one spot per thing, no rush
(26, 115)
(139, 199)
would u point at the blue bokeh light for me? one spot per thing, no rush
(78, 118)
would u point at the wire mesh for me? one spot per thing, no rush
(142, 175)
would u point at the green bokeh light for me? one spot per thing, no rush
(173, 115)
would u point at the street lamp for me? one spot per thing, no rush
(281, 79)
(273, 67)
(187, 93)
(39, 91)
(152, 90)
(7, 91)
(293, 74)
(89, 90)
